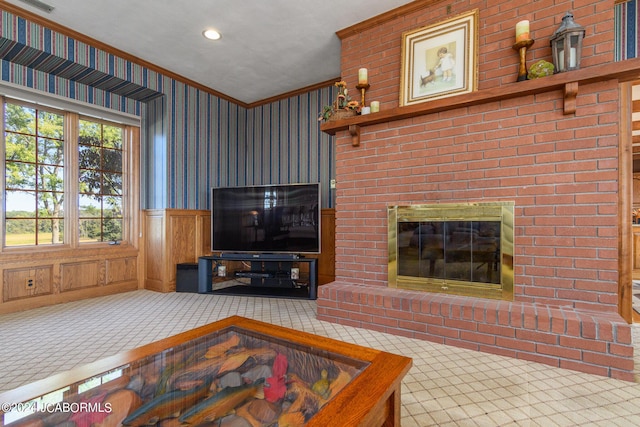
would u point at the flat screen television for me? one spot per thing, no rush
(278, 218)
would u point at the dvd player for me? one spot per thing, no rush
(253, 274)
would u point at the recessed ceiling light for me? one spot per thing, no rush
(211, 34)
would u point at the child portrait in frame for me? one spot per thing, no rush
(439, 60)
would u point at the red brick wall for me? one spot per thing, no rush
(560, 170)
(594, 342)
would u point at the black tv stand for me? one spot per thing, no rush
(268, 276)
(256, 256)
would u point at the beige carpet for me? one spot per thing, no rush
(446, 386)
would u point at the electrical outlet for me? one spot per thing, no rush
(28, 283)
(332, 184)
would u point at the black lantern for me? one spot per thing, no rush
(566, 44)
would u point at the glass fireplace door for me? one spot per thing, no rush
(463, 249)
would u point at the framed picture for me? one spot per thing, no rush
(440, 60)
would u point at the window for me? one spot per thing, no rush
(34, 170)
(100, 178)
(64, 180)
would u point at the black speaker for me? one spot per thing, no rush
(187, 277)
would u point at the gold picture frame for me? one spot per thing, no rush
(440, 60)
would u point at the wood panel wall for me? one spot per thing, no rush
(172, 237)
(176, 236)
(51, 274)
(327, 256)
(31, 280)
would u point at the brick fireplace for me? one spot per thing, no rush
(559, 170)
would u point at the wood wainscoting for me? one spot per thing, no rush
(636, 252)
(327, 256)
(172, 237)
(32, 279)
(177, 236)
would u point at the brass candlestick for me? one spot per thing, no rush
(363, 88)
(522, 47)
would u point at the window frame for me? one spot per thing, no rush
(37, 164)
(130, 168)
(123, 173)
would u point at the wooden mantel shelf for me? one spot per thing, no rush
(569, 82)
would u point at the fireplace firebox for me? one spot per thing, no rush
(460, 249)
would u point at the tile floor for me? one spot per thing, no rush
(446, 386)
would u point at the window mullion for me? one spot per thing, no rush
(3, 182)
(71, 179)
(131, 199)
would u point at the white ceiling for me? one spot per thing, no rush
(268, 47)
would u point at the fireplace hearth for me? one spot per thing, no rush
(460, 249)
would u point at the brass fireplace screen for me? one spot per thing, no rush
(461, 249)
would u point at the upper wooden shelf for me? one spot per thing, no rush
(627, 70)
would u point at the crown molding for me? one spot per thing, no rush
(386, 16)
(296, 92)
(16, 10)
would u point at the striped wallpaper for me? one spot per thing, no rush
(191, 140)
(30, 57)
(284, 143)
(211, 142)
(626, 30)
(35, 36)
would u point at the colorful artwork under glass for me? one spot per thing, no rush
(235, 376)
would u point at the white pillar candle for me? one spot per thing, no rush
(572, 57)
(522, 31)
(375, 106)
(362, 76)
(365, 110)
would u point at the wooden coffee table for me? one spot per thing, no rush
(324, 382)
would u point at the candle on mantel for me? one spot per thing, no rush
(572, 57)
(522, 31)
(362, 76)
(375, 106)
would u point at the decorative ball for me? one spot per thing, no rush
(541, 68)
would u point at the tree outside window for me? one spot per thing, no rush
(100, 177)
(34, 176)
(36, 156)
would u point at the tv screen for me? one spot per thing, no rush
(266, 218)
